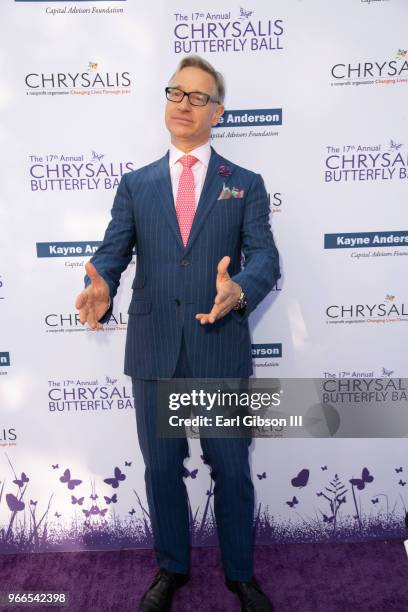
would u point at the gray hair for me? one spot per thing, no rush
(195, 61)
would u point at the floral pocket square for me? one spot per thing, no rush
(228, 193)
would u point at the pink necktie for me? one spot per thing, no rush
(185, 200)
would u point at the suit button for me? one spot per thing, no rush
(185, 262)
(178, 302)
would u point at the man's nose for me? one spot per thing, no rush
(184, 104)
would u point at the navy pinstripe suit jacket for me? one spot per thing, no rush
(173, 283)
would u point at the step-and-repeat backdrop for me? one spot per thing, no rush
(316, 103)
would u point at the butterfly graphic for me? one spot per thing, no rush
(20, 482)
(111, 500)
(360, 483)
(341, 500)
(293, 502)
(57, 515)
(14, 503)
(209, 493)
(301, 479)
(75, 500)
(387, 372)
(398, 470)
(187, 473)
(328, 519)
(394, 145)
(324, 467)
(71, 483)
(118, 477)
(402, 483)
(128, 463)
(244, 14)
(93, 497)
(33, 503)
(263, 475)
(132, 512)
(97, 157)
(55, 467)
(375, 500)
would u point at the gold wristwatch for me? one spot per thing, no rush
(240, 305)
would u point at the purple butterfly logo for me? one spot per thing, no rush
(293, 502)
(20, 482)
(375, 500)
(14, 503)
(111, 500)
(33, 503)
(324, 467)
(402, 483)
(94, 497)
(76, 500)
(118, 477)
(301, 479)
(71, 483)
(398, 470)
(132, 512)
(360, 483)
(128, 463)
(55, 467)
(187, 473)
(58, 515)
(263, 475)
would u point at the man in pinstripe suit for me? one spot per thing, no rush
(190, 215)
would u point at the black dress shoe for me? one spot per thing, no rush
(160, 593)
(252, 598)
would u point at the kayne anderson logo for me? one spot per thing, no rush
(77, 7)
(94, 80)
(390, 71)
(4, 362)
(226, 32)
(390, 310)
(248, 123)
(269, 351)
(370, 240)
(69, 322)
(79, 172)
(356, 162)
(66, 249)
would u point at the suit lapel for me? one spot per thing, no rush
(162, 186)
(208, 198)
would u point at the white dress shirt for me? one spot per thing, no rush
(203, 154)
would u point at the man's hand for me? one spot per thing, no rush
(228, 292)
(93, 301)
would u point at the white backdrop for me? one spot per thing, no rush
(82, 102)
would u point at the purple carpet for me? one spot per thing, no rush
(363, 577)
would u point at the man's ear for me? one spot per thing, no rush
(218, 113)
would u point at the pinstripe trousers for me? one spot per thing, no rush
(167, 494)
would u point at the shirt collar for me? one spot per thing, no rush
(202, 153)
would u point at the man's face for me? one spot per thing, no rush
(188, 124)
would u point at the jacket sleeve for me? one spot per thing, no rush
(114, 254)
(261, 267)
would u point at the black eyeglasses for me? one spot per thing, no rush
(196, 98)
